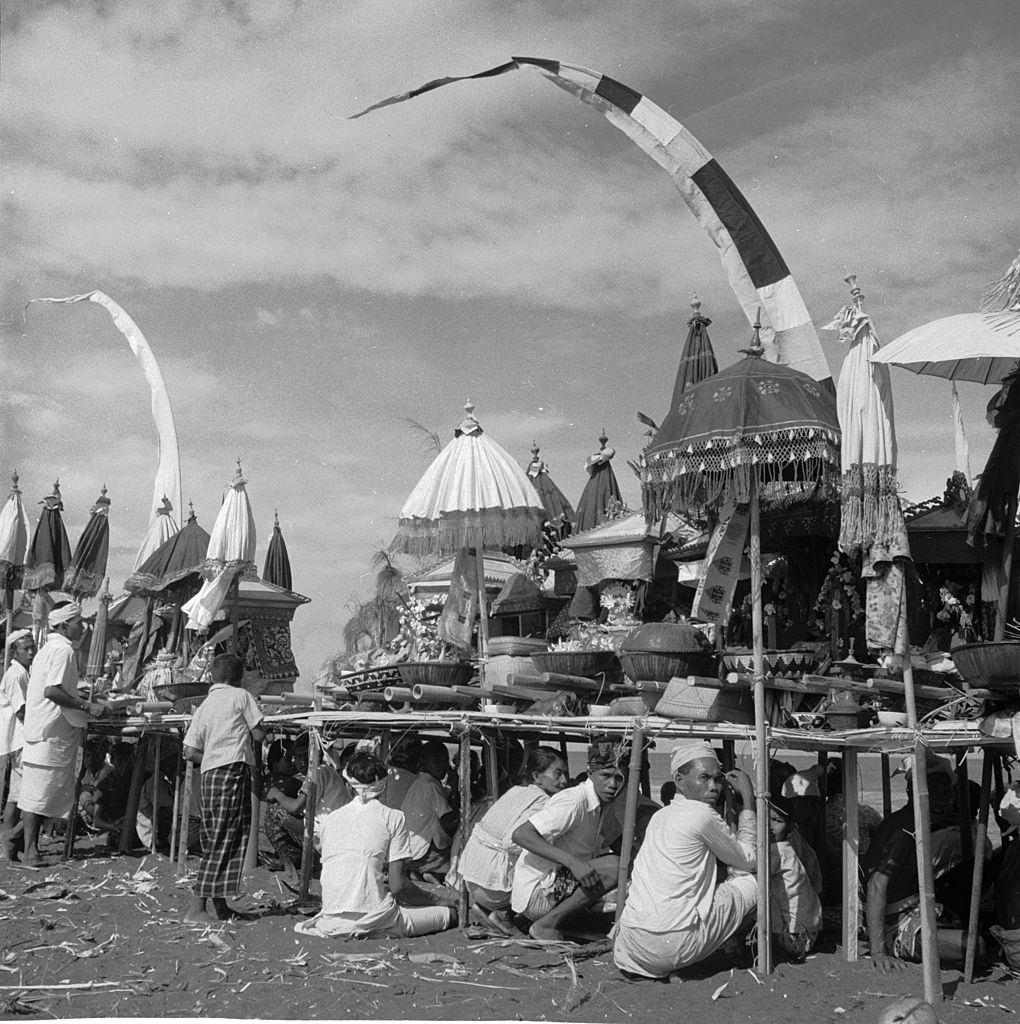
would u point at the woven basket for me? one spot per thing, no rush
(185, 697)
(436, 673)
(370, 679)
(994, 665)
(662, 666)
(777, 663)
(705, 704)
(590, 664)
(516, 646)
(643, 704)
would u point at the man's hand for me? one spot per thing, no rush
(742, 786)
(272, 796)
(95, 708)
(586, 874)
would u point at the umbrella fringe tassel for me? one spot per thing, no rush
(870, 513)
(498, 528)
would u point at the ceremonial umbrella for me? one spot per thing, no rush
(161, 529)
(601, 492)
(755, 434)
(473, 495)
(559, 513)
(49, 554)
(13, 547)
(88, 564)
(230, 554)
(277, 567)
(697, 360)
(175, 566)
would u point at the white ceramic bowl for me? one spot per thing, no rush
(897, 719)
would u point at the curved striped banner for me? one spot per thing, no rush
(756, 270)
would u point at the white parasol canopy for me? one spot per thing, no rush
(231, 554)
(474, 492)
(161, 529)
(13, 533)
(981, 347)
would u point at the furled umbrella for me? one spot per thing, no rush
(13, 548)
(982, 347)
(161, 529)
(230, 554)
(473, 495)
(175, 566)
(88, 563)
(601, 493)
(755, 434)
(697, 360)
(277, 567)
(559, 513)
(48, 557)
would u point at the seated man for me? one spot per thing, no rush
(561, 870)
(112, 795)
(94, 770)
(796, 909)
(889, 869)
(284, 828)
(676, 914)
(403, 762)
(431, 821)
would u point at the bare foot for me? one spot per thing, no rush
(198, 917)
(537, 931)
(31, 858)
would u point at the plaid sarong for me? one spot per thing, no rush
(226, 823)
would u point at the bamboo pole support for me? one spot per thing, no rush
(175, 814)
(9, 605)
(72, 818)
(464, 779)
(483, 607)
(182, 843)
(886, 787)
(491, 765)
(761, 745)
(964, 809)
(308, 846)
(977, 878)
(922, 836)
(134, 796)
(158, 751)
(637, 750)
(851, 852)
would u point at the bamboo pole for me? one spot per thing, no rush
(464, 778)
(182, 844)
(851, 852)
(154, 837)
(308, 846)
(922, 837)
(175, 814)
(483, 607)
(629, 816)
(134, 795)
(886, 787)
(491, 765)
(9, 604)
(977, 878)
(963, 809)
(761, 745)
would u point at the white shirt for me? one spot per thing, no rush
(13, 688)
(426, 802)
(51, 732)
(358, 842)
(796, 908)
(673, 882)
(221, 727)
(570, 820)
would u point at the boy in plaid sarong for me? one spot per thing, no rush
(225, 739)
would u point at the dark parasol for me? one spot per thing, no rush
(88, 564)
(49, 554)
(175, 566)
(697, 360)
(601, 493)
(558, 511)
(277, 567)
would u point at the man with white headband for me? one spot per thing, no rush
(13, 689)
(55, 718)
(676, 914)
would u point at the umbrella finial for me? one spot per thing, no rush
(855, 291)
(54, 500)
(603, 438)
(191, 511)
(755, 350)
(15, 490)
(276, 519)
(165, 508)
(239, 478)
(535, 449)
(470, 424)
(696, 304)
(102, 505)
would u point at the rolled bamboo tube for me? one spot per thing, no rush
(152, 706)
(441, 695)
(397, 694)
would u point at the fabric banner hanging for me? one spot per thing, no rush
(723, 559)
(168, 465)
(457, 619)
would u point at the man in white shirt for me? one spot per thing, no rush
(13, 688)
(675, 914)
(55, 718)
(562, 869)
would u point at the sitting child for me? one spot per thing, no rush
(365, 848)
(796, 909)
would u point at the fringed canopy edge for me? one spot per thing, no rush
(499, 528)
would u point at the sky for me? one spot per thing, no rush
(309, 283)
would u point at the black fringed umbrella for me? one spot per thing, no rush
(697, 360)
(175, 566)
(88, 564)
(559, 512)
(601, 492)
(277, 567)
(49, 554)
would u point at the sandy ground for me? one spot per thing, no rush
(103, 936)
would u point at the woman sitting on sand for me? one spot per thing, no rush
(487, 863)
(365, 890)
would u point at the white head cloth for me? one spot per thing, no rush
(803, 783)
(690, 750)
(1009, 808)
(65, 613)
(18, 634)
(366, 791)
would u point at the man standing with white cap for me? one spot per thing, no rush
(55, 718)
(13, 688)
(676, 914)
